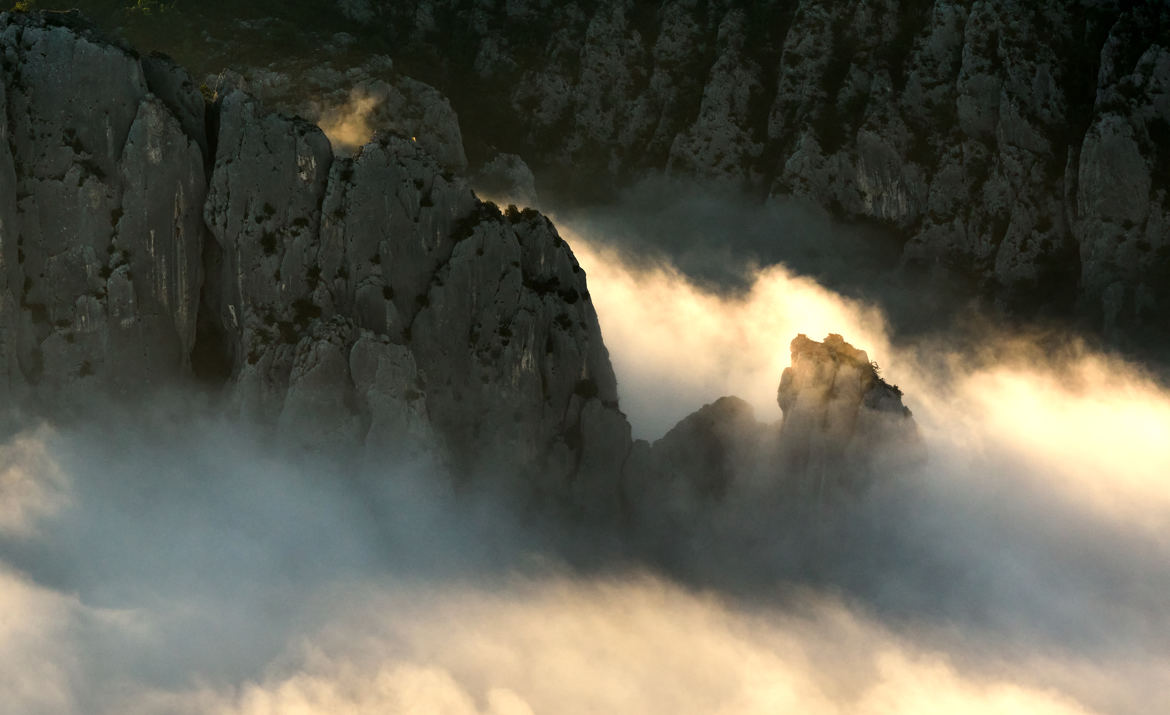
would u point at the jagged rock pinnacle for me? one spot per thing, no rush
(839, 414)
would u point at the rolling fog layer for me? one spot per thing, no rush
(173, 561)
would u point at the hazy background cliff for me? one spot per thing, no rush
(1015, 151)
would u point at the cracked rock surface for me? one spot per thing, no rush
(1019, 147)
(150, 236)
(147, 237)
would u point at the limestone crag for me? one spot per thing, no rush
(148, 236)
(1019, 146)
(712, 447)
(843, 427)
(353, 102)
(839, 415)
(101, 200)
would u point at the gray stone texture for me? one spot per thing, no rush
(370, 300)
(1018, 146)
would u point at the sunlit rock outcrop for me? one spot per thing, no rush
(843, 427)
(840, 416)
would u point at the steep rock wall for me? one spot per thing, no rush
(101, 199)
(1017, 146)
(152, 237)
(149, 237)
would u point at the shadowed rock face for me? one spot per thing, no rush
(150, 237)
(147, 236)
(720, 479)
(1013, 150)
(1020, 145)
(101, 199)
(713, 445)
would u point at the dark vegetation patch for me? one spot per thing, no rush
(464, 228)
(288, 332)
(586, 389)
(268, 242)
(304, 311)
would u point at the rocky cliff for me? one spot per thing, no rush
(152, 236)
(839, 417)
(1020, 147)
(149, 236)
(1016, 150)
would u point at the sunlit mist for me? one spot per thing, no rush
(193, 567)
(296, 428)
(636, 646)
(676, 346)
(348, 125)
(1093, 426)
(562, 645)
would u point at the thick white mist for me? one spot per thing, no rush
(1095, 424)
(556, 644)
(676, 346)
(639, 645)
(32, 486)
(180, 565)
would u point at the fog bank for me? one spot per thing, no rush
(171, 560)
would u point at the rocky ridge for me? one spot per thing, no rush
(1017, 146)
(149, 236)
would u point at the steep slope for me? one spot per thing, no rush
(101, 201)
(1015, 150)
(839, 416)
